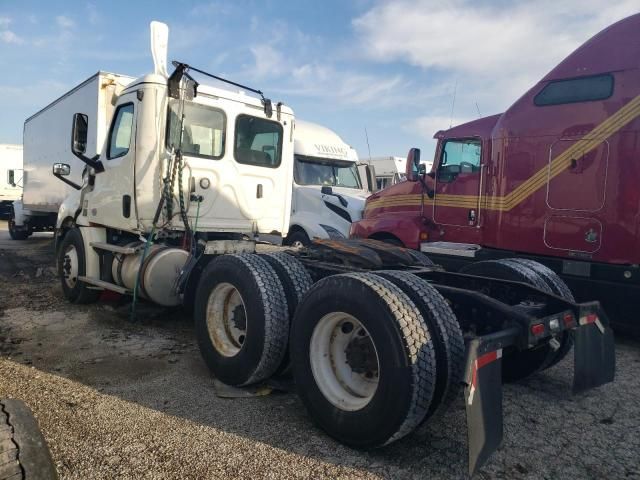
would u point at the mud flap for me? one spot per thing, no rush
(594, 353)
(483, 400)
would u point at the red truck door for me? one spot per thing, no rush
(458, 182)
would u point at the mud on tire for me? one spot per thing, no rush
(24, 454)
(400, 356)
(447, 337)
(240, 318)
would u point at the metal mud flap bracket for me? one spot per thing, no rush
(594, 365)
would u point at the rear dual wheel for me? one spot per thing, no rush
(364, 358)
(518, 365)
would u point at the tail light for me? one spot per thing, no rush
(537, 329)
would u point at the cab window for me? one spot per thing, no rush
(459, 156)
(203, 130)
(121, 132)
(258, 141)
(574, 90)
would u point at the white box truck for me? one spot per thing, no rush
(11, 175)
(187, 177)
(328, 192)
(45, 142)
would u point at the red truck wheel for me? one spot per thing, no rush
(516, 365)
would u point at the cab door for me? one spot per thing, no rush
(111, 202)
(458, 179)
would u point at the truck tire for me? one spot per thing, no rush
(560, 288)
(24, 454)
(296, 281)
(240, 318)
(16, 234)
(516, 365)
(363, 359)
(447, 336)
(71, 265)
(298, 239)
(421, 259)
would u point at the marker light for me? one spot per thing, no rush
(568, 320)
(537, 329)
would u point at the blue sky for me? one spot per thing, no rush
(391, 67)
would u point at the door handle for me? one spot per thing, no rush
(259, 191)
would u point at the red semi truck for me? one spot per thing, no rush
(555, 178)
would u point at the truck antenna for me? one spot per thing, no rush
(453, 103)
(368, 147)
(478, 108)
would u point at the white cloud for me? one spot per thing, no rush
(7, 36)
(268, 61)
(92, 14)
(494, 53)
(64, 21)
(5, 22)
(474, 38)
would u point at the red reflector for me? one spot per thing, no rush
(537, 329)
(589, 318)
(568, 319)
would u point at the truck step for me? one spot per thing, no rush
(106, 285)
(451, 248)
(114, 248)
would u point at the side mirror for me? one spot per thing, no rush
(11, 178)
(326, 190)
(422, 170)
(79, 131)
(79, 134)
(413, 162)
(61, 169)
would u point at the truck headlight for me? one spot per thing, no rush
(332, 232)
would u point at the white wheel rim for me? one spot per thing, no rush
(297, 244)
(344, 361)
(226, 319)
(70, 266)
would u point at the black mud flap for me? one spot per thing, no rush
(483, 399)
(594, 352)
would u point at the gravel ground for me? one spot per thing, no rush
(117, 399)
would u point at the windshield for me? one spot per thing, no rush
(326, 171)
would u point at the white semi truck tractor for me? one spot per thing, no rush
(328, 192)
(380, 340)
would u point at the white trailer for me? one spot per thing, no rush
(11, 175)
(328, 193)
(190, 175)
(390, 170)
(46, 141)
